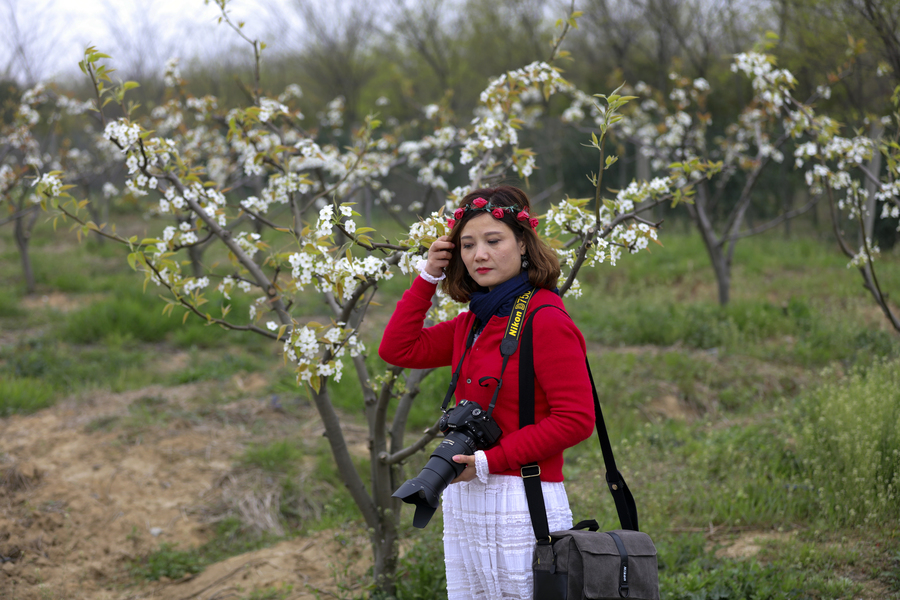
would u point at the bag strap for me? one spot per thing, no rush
(624, 501)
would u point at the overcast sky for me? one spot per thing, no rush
(42, 39)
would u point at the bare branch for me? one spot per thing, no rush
(775, 222)
(397, 457)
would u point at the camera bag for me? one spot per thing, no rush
(584, 563)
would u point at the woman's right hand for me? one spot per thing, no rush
(439, 254)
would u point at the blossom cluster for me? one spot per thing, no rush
(864, 257)
(49, 185)
(432, 155)
(508, 102)
(771, 85)
(317, 350)
(123, 132)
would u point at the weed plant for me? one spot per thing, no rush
(421, 575)
(848, 436)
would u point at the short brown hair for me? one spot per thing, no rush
(543, 269)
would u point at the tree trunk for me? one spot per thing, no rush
(384, 571)
(380, 510)
(723, 275)
(720, 259)
(23, 226)
(874, 166)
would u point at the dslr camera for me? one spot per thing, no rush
(466, 427)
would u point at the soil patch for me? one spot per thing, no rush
(90, 485)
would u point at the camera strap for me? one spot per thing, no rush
(507, 348)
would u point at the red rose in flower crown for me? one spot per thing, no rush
(451, 223)
(498, 213)
(522, 216)
(533, 221)
(458, 213)
(479, 202)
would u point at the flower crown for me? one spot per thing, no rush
(498, 212)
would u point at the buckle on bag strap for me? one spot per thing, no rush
(530, 471)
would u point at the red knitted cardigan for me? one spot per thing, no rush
(564, 408)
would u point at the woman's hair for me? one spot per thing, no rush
(543, 269)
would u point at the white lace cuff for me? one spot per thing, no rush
(420, 267)
(481, 466)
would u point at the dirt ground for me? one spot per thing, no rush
(79, 501)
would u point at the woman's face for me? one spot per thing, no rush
(490, 251)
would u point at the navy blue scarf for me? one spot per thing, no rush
(499, 301)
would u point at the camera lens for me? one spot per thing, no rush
(424, 491)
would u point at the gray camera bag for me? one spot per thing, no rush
(584, 563)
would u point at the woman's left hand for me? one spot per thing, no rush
(468, 473)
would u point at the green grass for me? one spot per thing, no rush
(796, 332)
(9, 305)
(703, 381)
(747, 579)
(279, 592)
(132, 315)
(204, 366)
(24, 395)
(65, 369)
(280, 456)
(230, 538)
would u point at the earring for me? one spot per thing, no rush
(525, 262)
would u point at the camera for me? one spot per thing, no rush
(467, 427)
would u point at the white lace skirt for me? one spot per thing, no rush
(488, 538)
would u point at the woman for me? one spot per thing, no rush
(491, 257)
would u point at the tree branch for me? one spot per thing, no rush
(595, 235)
(397, 457)
(774, 222)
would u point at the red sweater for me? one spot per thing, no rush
(564, 407)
